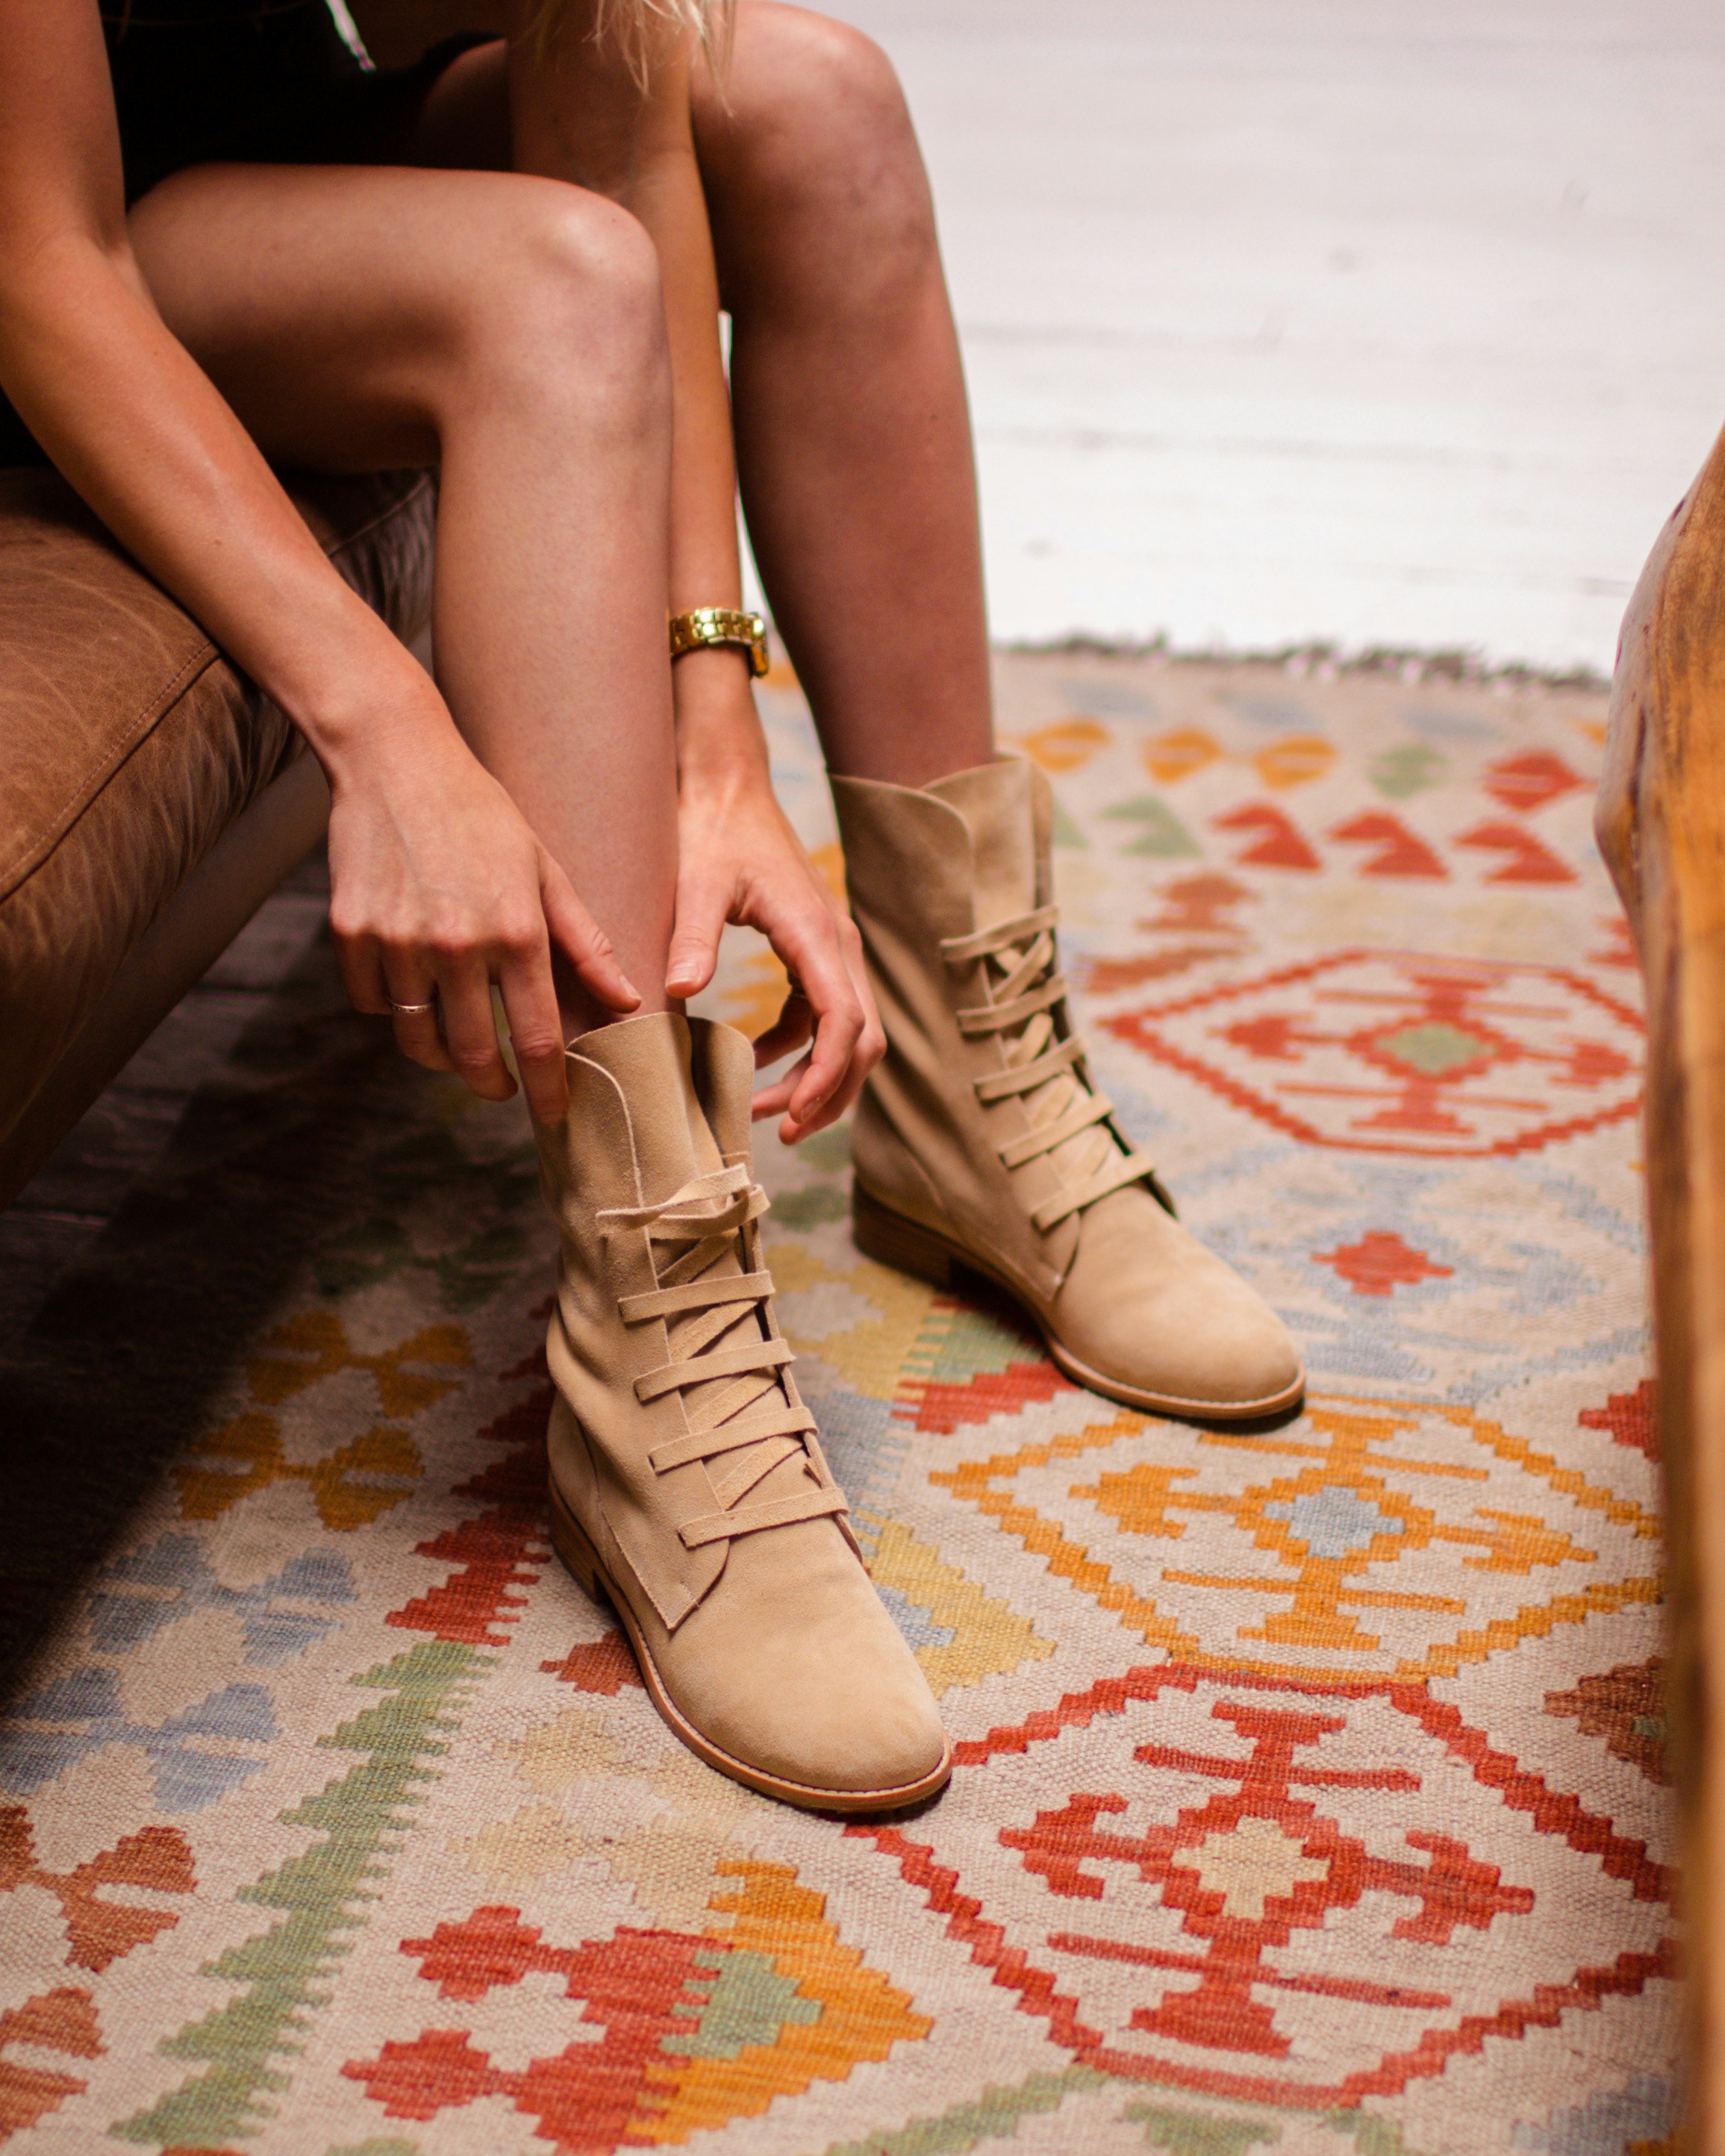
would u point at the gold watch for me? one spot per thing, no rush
(706, 625)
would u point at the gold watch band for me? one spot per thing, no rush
(706, 625)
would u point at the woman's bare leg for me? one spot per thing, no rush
(853, 436)
(512, 329)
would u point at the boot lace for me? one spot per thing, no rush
(730, 1370)
(1045, 1064)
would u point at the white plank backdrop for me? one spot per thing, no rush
(1357, 319)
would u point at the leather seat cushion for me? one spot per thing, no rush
(128, 744)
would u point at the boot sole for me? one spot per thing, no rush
(890, 1240)
(570, 1541)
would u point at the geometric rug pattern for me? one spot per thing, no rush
(1311, 1790)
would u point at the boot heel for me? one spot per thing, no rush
(890, 1240)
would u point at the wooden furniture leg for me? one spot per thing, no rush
(1660, 822)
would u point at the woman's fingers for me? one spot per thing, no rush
(703, 903)
(792, 1027)
(470, 1027)
(438, 996)
(806, 1078)
(440, 889)
(535, 1033)
(417, 1036)
(409, 997)
(360, 959)
(774, 1099)
(871, 1046)
(389, 984)
(578, 935)
(450, 1024)
(819, 1090)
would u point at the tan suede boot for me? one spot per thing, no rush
(980, 1139)
(687, 1485)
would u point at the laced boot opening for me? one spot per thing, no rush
(739, 1402)
(1071, 1121)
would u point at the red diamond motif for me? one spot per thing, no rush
(1381, 1262)
(1531, 780)
(1631, 1418)
(1277, 843)
(1394, 1052)
(1240, 1899)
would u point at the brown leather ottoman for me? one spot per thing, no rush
(150, 799)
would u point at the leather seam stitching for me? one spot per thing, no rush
(84, 790)
(90, 782)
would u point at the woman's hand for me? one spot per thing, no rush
(740, 861)
(439, 888)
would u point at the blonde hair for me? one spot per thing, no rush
(636, 29)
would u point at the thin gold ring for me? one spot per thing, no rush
(410, 1010)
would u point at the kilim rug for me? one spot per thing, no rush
(1310, 1791)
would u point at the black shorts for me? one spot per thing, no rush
(273, 82)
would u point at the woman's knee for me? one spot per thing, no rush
(565, 304)
(818, 128)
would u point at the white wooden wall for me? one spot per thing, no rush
(1328, 319)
